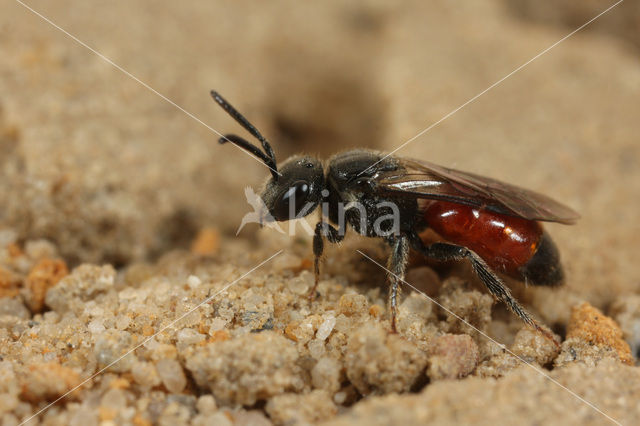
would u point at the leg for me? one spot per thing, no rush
(323, 230)
(397, 265)
(446, 251)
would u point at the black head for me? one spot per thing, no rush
(295, 189)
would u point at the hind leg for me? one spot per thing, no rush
(446, 251)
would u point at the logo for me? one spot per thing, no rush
(260, 213)
(385, 215)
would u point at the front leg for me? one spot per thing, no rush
(323, 230)
(396, 266)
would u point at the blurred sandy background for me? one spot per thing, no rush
(111, 173)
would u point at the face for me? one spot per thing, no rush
(297, 192)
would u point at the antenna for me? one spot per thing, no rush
(268, 156)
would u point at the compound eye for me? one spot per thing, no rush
(296, 194)
(363, 184)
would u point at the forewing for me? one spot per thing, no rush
(430, 181)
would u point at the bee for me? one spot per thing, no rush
(493, 225)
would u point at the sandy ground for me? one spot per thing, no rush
(119, 212)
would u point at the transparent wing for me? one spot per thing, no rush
(429, 181)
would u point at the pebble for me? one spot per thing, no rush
(111, 345)
(301, 284)
(85, 283)
(246, 369)
(10, 283)
(193, 281)
(13, 306)
(84, 416)
(326, 375)
(471, 305)
(145, 374)
(591, 338)
(43, 276)
(316, 348)
(452, 357)
(96, 327)
(353, 304)
(286, 261)
(589, 324)
(189, 336)
(172, 375)
(301, 409)
(114, 399)
(46, 381)
(626, 311)
(532, 346)
(40, 249)
(206, 404)
(325, 329)
(206, 242)
(123, 322)
(378, 362)
(250, 418)
(215, 419)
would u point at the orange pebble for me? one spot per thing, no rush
(9, 283)
(44, 275)
(206, 242)
(219, 336)
(589, 324)
(376, 311)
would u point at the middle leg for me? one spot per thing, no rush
(396, 266)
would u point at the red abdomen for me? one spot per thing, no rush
(506, 243)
